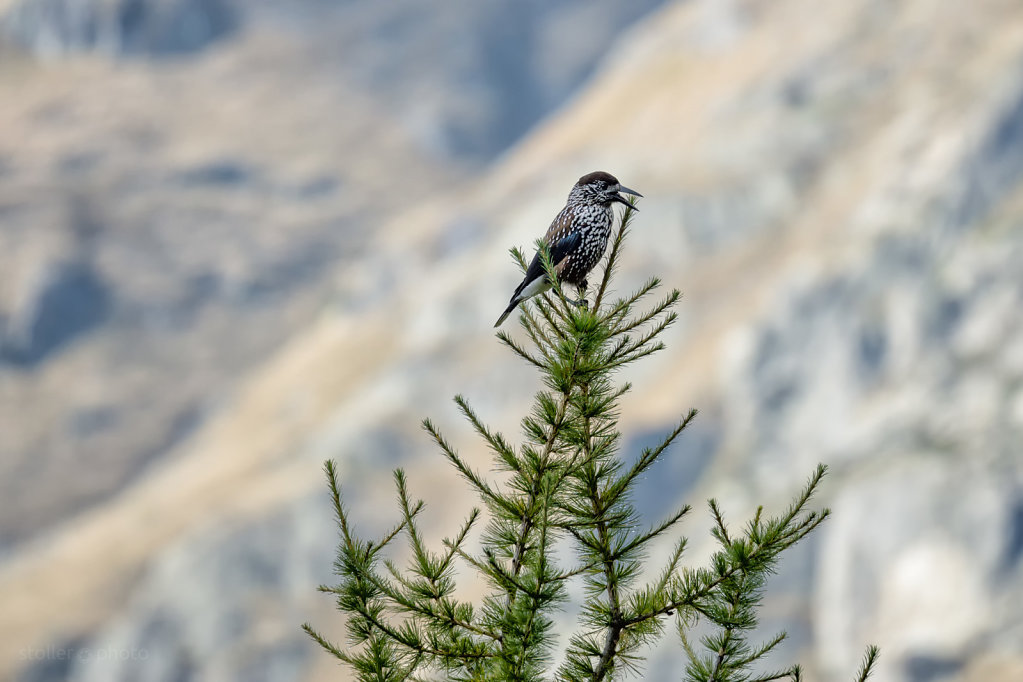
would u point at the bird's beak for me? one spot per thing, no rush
(618, 197)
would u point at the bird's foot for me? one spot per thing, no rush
(581, 303)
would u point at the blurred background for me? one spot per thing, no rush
(238, 237)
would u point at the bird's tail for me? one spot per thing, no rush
(507, 311)
(528, 289)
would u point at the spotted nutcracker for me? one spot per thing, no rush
(577, 238)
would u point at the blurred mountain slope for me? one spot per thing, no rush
(842, 208)
(170, 219)
(209, 232)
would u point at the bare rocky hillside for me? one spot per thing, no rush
(175, 208)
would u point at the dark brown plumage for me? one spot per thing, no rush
(577, 238)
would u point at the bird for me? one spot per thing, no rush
(576, 239)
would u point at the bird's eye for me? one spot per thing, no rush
(601, 185)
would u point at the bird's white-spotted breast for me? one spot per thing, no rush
(593, 222)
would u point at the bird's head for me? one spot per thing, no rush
(601, 188)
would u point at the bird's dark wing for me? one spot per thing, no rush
(562, 248)
(562, 225)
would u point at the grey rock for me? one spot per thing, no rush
(222, 173)
(485, 72)
(915, 542)
(995, 167)
(226, 603)
(68, 301)
(53, 28)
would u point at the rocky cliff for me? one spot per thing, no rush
(842, 208)
(171, 217)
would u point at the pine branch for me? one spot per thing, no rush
(648, 457)
(565, 485)
(694, 587)
(522, 353)
(640, 347)
(489, 495)
(614, 625)
(867, 667)
(621, 307)
(616, 247)
(330, 647)
(496, 442)
(666, 303)
(520, 543)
